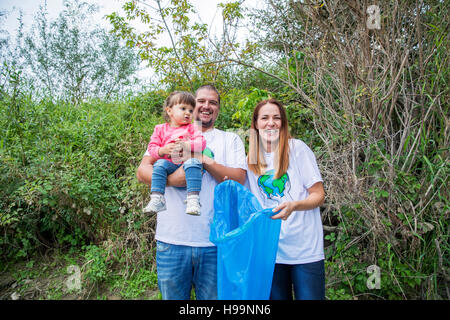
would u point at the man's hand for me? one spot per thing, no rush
(207, 161)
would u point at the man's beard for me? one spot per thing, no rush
(207, 124)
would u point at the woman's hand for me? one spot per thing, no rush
(286, 210)
(315, 199)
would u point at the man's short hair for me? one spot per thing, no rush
(208, 87)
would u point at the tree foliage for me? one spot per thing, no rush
(71, 59)
(179, 48)
(371, 102)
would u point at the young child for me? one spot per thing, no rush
(167, 143)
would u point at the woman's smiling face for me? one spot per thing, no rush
(269, 122)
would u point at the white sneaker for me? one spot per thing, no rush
(157, 203)
(193, 205)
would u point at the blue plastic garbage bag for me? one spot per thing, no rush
(247, 243)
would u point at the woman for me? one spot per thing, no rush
(282, 173)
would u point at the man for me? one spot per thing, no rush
(184, 255)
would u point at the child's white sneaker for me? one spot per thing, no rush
(193, 205)
(157, 203)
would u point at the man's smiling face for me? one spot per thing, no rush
(206, 107)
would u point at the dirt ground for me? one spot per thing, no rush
(48, 277)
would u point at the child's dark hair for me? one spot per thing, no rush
(178, 97)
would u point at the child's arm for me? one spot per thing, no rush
(156, 147)
(155, 143)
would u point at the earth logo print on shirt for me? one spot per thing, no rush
(274, 189)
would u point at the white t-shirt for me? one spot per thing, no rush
(301, 235)
(174, 225)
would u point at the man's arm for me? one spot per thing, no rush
(145, 171)
(221, 172)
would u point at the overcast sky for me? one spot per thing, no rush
(207, 10)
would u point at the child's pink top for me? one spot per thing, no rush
(164, 134)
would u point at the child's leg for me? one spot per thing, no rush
(161, 169)
(193, 169)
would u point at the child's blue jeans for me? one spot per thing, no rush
(162, 168)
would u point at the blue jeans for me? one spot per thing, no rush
(307, 279)
(162, 168)
(181, 267)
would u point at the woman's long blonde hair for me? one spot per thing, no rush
(255, 158)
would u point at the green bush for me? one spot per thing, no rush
(96, 264)
(66, 172)
(67, 179)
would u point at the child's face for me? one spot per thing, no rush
(180, 114)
